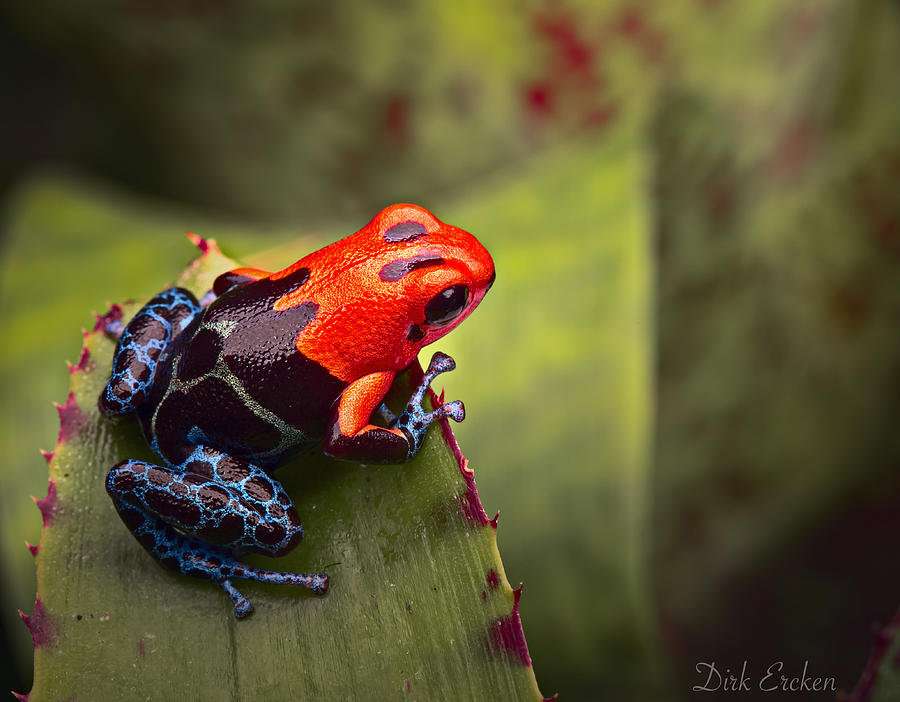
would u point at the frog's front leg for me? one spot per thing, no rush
(141, 344)
(210, 497)
(351, 435)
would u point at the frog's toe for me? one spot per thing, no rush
(242, 606)
(456, 410)
(440, 363)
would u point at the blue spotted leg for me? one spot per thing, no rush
(141, 343)
(414, 421)
(217, 498)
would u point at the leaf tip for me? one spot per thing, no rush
(21, 696)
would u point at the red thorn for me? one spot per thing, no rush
(206, 246)
(550, 699)
(114, 315)
(71, 418)
(84, 362)
(48, 455)
(441, 398)
(21, 696)
(44, 630)
(506, 636)
(517, 594)
(34, 549)
(496, 520)
(48, 504)
(883, 638)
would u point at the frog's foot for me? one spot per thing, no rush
(414, 421)
(199, 559)
(141, 343)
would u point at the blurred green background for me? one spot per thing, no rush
(682, 391)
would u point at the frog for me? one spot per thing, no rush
(268, 365)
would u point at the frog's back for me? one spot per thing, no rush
(238, 383)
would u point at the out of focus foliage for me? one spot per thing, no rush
(683, 387)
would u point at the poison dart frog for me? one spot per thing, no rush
(267, 364)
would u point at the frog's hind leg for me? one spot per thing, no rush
(141, 343)
(190, 556)
(210, 496)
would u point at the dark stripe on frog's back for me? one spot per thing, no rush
(260, 350)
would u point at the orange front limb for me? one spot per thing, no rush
(352, 435)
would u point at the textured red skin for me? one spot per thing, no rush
(48, 505)
(506, 634)
(362, 321)
(71, 419)
(360, 332)
(44, 630)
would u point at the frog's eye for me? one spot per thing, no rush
(446, 305)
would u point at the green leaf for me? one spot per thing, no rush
(419, 603)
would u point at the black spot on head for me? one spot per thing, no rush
(415, 333)
(404, 231)
(395, 270)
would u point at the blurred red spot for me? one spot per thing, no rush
(559, 29)
(396, 120)
(793, 150)
(631, 23)
(538, 98)
(599, 116)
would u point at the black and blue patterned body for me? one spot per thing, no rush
(227, 391)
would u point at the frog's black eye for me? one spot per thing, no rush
(446, 305)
